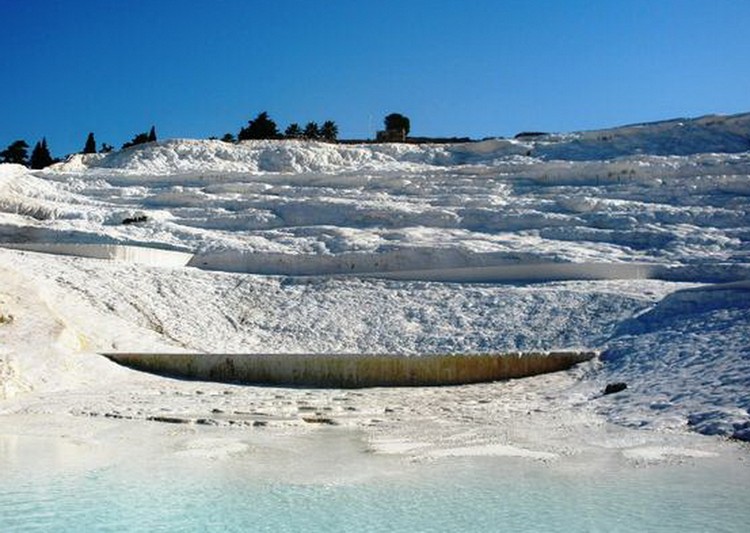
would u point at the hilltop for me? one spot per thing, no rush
(709, 134)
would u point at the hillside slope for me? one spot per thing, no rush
(543, 243)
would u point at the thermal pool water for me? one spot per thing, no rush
(327, 480)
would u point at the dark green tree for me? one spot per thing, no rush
(262, 127)
(397, 122)
(228, 138)
(90, 147)
(106, 148)
(312, 131)
(16, 152)
(40, 156)
(141, 138)
(152, 135)
(329, 131)
(293, 131)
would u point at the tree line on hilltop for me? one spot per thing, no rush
(261, 127)
(17, 151)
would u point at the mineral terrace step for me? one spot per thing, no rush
(351, 370)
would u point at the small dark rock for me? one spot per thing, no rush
(742, 431)
(612, 388)
(168, 419)
(135, 220)
(319, 420)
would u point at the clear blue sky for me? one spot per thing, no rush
(197, 68)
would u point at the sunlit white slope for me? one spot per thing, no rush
(281, 240)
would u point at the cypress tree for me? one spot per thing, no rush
(36, 156)
(40, 156)
(152, 135)
(90, 147)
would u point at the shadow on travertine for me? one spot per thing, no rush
(349, 370)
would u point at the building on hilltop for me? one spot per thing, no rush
(391, 135)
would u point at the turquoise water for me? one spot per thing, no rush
(62, 491)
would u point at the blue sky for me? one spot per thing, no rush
(197, 68)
